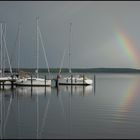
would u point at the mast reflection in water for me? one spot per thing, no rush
(73, 111)
(29, 112)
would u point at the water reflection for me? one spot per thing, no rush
(128, 99)
(28, 91)
(73, 111)
(76, 90)
(5, 109)
(26, 106)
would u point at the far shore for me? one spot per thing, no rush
(80, 70)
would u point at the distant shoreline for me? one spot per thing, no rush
(82, 70)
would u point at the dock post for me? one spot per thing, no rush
(57, 81)
(31, 85)
(94, 83)
(83, 79)
(71, 79)
(45, 80)
(45, 84)
(3, 85)
(12, 83)
(31, 82)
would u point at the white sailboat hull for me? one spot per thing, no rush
(33, 82)
(75, 81)
(7, 80)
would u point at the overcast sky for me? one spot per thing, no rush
(96, 27)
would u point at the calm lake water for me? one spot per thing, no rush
(108, 109)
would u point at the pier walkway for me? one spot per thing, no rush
(7, 81)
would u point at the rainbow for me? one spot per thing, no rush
(130, 92)
(128, 97)
(128, 47)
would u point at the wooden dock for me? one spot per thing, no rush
(4, 81)
(11, 81)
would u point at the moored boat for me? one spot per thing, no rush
(72, 79)
(35, 81)
(75, 80)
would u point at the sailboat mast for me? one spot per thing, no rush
(4, 32)
(5, 48)
(37, 43)
(1, 46)
(19, 34)
(70, 49)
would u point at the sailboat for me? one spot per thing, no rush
(3, 51)
(35, 81)
(73, 79)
